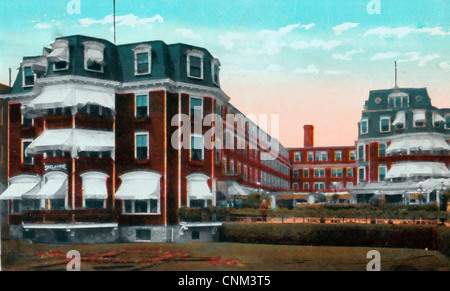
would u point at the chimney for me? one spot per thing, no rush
(308, 140)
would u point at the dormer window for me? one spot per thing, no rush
(195, 64)
(385, 124)
(28, 76)
(215, 68)
(398, 100)
(59, 55)
(142, 59)
(93, 56)
(419, 118)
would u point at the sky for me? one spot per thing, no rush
(308, 61)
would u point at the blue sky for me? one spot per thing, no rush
(313, 62)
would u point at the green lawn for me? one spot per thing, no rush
(19, 255)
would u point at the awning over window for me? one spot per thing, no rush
(235, 189)
(400, 118)
(59, 55)
(94, 185)
(19, 186)
(54, 188)
(198, 187)
(419, 116)
(139, 185)
(63, 95)
(95, 55)
(73, 140)
(418, 143)
(438, 118)
(413, 169)
(40, 66)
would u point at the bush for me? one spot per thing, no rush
(338, 235)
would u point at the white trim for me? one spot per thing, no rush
(143, 48)
(148, 103)
(68, 225)
(196, 135)
(364, 120)
(27, 64)
(61, 44)
(198, 54)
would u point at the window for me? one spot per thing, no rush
(142, 108)
(381, 173)
(195, 64)
(364, 126)
(95, 203)
(196, 108)
(419, 118)
(319, 186)
(26, 159)
(385, 124)
(215, 68)
(349, 185)
(353, 155)
(140, 206)
(195, 235)
(349, 172)
(382, 150)
(306, 186)
(28, 76)
(197, 147)
(447, 121)
(321, 156)
(141, 146)
(93, 56)
(143, 234)
(337, 173)
(232, 167)
(295, 173)
(361, 175)
(296, 157)
(338, 156)
(27, 121)
(399, 121)
(310, 156)
(319, 173)
(142, 59)
(295, 186)
(59, 55)
(361, 152)
(245, 176)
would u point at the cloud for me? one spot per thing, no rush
(417, 57)
(343, 27)
(332, 72)
(187, 33)
(444, 65)
(311, 69)
(229, 39)
(326, 45)
(403, 31)
(347, 56)
(124, 20)
(383, 56)
(272, 68)
(46, 25)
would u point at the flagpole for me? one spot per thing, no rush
(114, 19)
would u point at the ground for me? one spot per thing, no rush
(210, 256)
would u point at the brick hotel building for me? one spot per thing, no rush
(91, 149)
(90, 129)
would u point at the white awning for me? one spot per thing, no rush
(418, 143)
(198, 187)
(438, 118)
(54, 188)
(235, 189)
(94, 55)
(399, 118)
(94, 185)
(60, 54)
(21, 185)
(40, 66)
(139, 185)
(64, 95)
(73, 140)
(419, 116)
(414, 169)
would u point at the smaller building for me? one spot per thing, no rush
(320, 173)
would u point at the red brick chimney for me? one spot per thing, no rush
(308, 140)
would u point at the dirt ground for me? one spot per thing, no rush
(19, 255)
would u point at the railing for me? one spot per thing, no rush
(71, 216)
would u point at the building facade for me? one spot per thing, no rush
(403, 151)
(330, 171)
(108, 142)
